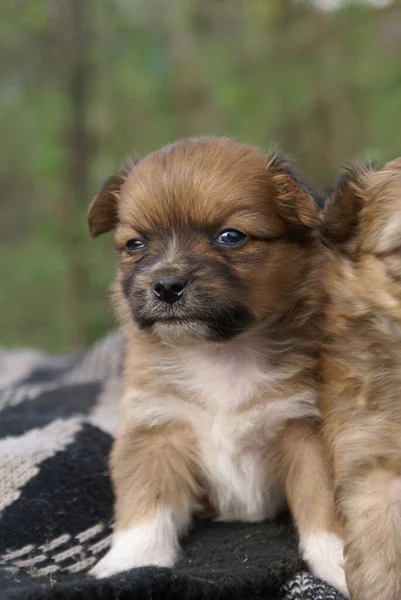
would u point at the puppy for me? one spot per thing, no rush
(361, 370)
(218, 292)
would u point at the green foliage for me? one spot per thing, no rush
(325, 86)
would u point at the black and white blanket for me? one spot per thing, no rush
(57, 418)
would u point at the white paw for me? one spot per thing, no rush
(324, 554)
(122, 558)
(151, 543)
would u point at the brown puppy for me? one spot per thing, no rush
(360, 396)
(218, 292)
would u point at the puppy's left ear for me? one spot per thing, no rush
(297, 205)
(103, 211)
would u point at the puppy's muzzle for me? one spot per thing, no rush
(169, 288)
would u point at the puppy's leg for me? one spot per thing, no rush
(156, 491)
(370, 503)
(311, 500)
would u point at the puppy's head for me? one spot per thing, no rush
(213, 238)
(364, 213)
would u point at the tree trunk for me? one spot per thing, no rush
(75, 73)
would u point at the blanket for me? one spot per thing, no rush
(57, 420)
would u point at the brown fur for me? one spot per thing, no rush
(308, 483)
(154, 464)
(361, 370)
(260, 300)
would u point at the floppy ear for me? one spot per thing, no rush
(103, 211)
(296, 203)
(342, 211)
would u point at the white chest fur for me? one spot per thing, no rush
(235, 459)
(236, 451)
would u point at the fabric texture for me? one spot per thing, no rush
(57, 419)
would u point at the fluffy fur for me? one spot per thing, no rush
(360, 396)
(219, 412)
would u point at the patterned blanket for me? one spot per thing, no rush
(57, 418)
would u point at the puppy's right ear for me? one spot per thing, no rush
(103, 211)
(341, 213)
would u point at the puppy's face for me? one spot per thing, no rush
(205, 230)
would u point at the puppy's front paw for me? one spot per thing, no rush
(152, 543)
(113, 562)
(324, 554)
(123, 557)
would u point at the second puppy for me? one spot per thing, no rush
(218, 291)
(361, 391)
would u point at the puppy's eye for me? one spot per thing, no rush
(231, 237)
(133, 245)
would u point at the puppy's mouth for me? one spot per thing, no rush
(218, 325)
(146, 323)
(178, 320)
(179, 332)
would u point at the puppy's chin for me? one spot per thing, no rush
(179, 333)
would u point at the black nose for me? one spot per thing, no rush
(169, 288)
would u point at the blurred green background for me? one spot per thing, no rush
(84, 83)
